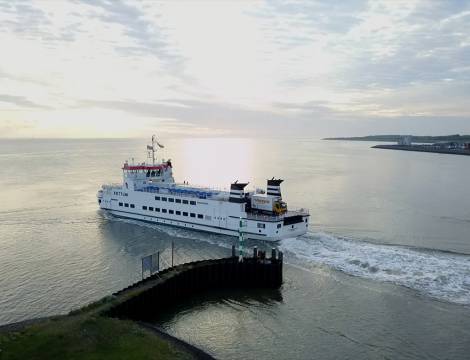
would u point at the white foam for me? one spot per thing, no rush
(441, 275)
(445, 276)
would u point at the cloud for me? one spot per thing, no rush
(20, 101)
(259, 67)
(144, 30)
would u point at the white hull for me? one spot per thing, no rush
(218, 217)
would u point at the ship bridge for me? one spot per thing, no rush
(141, 175)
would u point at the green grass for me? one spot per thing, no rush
(86, 336)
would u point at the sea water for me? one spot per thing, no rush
(384, 271)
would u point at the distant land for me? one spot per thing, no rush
(415, 139)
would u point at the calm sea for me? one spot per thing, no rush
(384, 271)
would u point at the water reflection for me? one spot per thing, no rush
(235, 298)
(228, 311)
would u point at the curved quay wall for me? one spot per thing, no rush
(146, 298)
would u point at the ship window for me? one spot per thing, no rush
(200, 216)
(171, 211)
(306, 220)
(261, 226)
(144, 207)
(163, 198)
(192, 215)
(185, 201)
(150, 208)
(163, 210)
(157, 209)
(126, 205)
(171, 200)
(178, 212)
(178, 201)
(279, 226)
(192, 202)
(185, 213)
(157, 197)
(132, 206)
(208, 217)
(120, 204)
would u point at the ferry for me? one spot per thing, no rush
(149, 193)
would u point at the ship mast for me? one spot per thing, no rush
(153, 149)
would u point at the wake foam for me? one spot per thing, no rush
(442, 275)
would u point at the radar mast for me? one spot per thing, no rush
(152, 148)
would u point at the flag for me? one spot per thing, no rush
(150, 264)
(147, 264)
(155, 263)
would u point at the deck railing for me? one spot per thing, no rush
(189, 192)
(111, 186)
(266, 217)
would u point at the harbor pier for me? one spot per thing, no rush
(118, 324)
(146, 298)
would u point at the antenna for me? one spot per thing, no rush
(153, 149)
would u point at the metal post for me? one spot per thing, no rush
(158, 261)
(255, 252)
(233, 250)
(273, 254)
(172, 251)
(240, 242)
(142, 260)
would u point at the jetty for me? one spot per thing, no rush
(117, 325)
(425, 148)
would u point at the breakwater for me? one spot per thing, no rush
(423, 148)
(146, 298)
(100, 323)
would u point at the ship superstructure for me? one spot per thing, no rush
(149, 193)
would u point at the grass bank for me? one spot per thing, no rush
(87, 336)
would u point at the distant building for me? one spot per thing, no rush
(451, 145)
(405, 140)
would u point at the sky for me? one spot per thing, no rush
(295, 68)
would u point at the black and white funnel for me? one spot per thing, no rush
(274, 187)
(236, 192)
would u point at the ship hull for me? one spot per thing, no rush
(217, 217)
